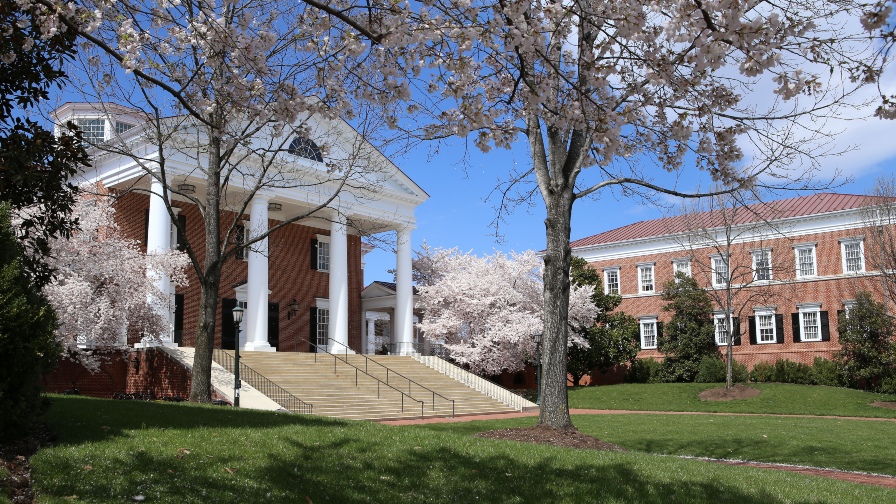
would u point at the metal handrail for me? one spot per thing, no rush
(487, 387)
(267, 387)
(367, 360)
(336, 359)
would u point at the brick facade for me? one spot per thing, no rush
(291, 274)
(783, 295)
(137, 371)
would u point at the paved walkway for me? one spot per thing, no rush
(854, 477)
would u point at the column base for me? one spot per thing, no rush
(339, 349)
(259, 347)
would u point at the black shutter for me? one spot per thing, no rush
(274, 324)
(779, 328)
(795, 322)
(312, 332)
(825, 327)
(841, 316)
(314, 259)
(735, 331)
(181, 230)
(752, 330)
(659, 332)
(228, 333)
(146, 230)
(179, 319)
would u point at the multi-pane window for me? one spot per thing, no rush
(645, 278)
(648, 333)
(805, 261)
(853, 257)
(323, 255)
(721, 326)
(611, 281)
(121, 127)
(239, 238)
(93, 130)
(681, 266)
(720, 270)
(810, 326)
(762, 265)
(323, 327)
(765, 325)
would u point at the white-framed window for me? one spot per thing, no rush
(239, 238)
(848, 304)
(853, 254)
(810, 321)
(323, 253)
(121, 127)
(93, 130)
(681, 266)
(611, 280)
(762, 264)
(719, 270)
(648, 332)
(323, 327)
(721, 328)
(645, 278)
(805, 260)
(766, 332)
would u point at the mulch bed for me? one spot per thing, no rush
(14, 461)
(739, 391)
(540, 434)
(885, 404)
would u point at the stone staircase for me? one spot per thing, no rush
(383, 387)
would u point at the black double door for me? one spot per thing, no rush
(228, 331)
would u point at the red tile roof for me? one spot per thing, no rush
(793, 207)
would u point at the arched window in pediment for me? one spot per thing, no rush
(301, 146)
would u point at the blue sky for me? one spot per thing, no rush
(458, 215)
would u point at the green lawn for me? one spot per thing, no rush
(110, 451)
(776, 398)
(851, 445)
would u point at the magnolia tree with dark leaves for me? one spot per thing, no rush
(487, 310)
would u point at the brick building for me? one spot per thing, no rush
(792, 267)
(301, 285)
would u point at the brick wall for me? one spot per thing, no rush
(291, 276)
(830, 287)
(135, 371)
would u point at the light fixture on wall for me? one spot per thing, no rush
(274, 207)
(186, 188)
(293, 309)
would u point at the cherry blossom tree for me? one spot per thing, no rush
(226, 87)
(100, 290)
(488, 309)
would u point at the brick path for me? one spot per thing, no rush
(854, 477)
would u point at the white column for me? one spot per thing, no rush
(370, 345)
(158, 240)
(403, 325)
(338, 329)
(257, 302)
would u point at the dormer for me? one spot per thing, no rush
(99, 122)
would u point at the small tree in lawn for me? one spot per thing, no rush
(688, 336)
(100, 290)
(612, 338)
(868, 350)
(735, 280)
(27, 344)
(488, 309)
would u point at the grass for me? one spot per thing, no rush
(776, 398)
(851, 445)
(110, 451)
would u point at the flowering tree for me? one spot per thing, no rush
(225, 87)
(100, 289)
(489, 309)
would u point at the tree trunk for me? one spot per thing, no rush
(200, 387)
(554, 400)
